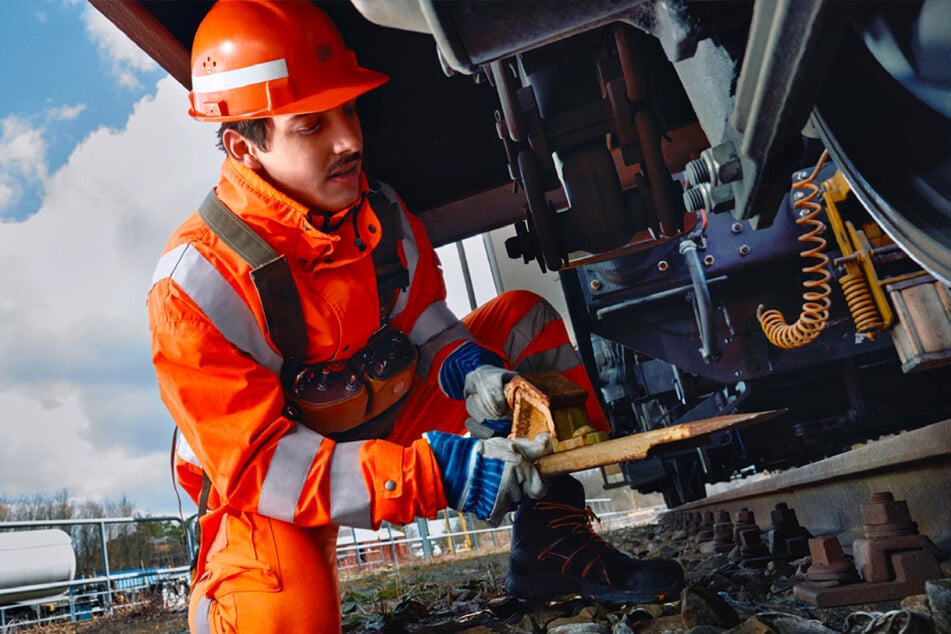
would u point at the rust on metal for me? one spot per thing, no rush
(787, 538)
(649, 443)
(894, 559)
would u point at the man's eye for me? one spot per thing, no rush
(310, 129)
(350, 111)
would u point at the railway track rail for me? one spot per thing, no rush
(885, 503)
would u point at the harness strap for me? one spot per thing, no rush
(271, 275)
(391, 275)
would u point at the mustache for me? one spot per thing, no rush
(344, 163)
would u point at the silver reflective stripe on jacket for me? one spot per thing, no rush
(562, 358)
(287, 473)
(185, 451)
(349, 499)
(410, 251)
(205, 285)
(202, 620)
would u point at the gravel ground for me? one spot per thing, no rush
(466, 594)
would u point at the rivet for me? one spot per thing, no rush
(595, 285)
(389, 485)
(744, 249)
(662, 266)
(708, 260)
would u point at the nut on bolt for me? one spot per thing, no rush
(716, 165)
(714, 199)
(595, 285)
(662, 266)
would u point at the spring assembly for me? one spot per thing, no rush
(816, 289)
(859, 281)
(861, 304)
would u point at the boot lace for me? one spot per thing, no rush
(578, 522)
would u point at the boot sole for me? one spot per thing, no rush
(540, 587)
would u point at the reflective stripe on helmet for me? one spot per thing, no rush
(240, 77)
(205, 285)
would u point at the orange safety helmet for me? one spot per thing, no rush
(254, 59)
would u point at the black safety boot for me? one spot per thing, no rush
(555, 551)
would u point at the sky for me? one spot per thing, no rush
(99, 162)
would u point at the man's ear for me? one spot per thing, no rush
(240, 149)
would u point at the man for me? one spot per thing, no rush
(318, 379)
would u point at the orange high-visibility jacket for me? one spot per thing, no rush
(218, 371)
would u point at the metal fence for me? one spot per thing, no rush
(450, 534)
(89, 596)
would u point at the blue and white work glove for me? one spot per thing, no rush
(474, 374)
(488, 477)
(489, 412)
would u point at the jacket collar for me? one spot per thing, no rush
(289, 227)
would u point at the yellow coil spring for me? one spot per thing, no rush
(816, 302)
(858, 296)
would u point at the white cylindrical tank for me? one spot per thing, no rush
(35, 557)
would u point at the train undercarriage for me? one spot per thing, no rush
(748, 204)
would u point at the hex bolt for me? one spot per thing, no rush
(693, 199)
(595, 285)
(662, 266)
(744, 250)
(697, 171)
(886, 517)
(786, 537)
(715, 199)
(736, 227)
(693, 522)
(890, 534)
(716, 165)
(753, 548)
(829, 562)
(722, 532)
(705, 533)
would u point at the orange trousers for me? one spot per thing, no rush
(264, 575)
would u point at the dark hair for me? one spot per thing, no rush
(254, 130)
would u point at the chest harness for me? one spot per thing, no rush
(350, 399)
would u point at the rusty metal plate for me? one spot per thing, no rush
(650, 443)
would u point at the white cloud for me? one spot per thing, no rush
(79, 405)
(125, 58)
(22, 159)
(22, 148)
(66, 113)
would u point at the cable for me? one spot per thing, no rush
(816, 289)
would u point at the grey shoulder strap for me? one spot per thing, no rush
(271, 276)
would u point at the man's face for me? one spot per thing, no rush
(315, 158)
